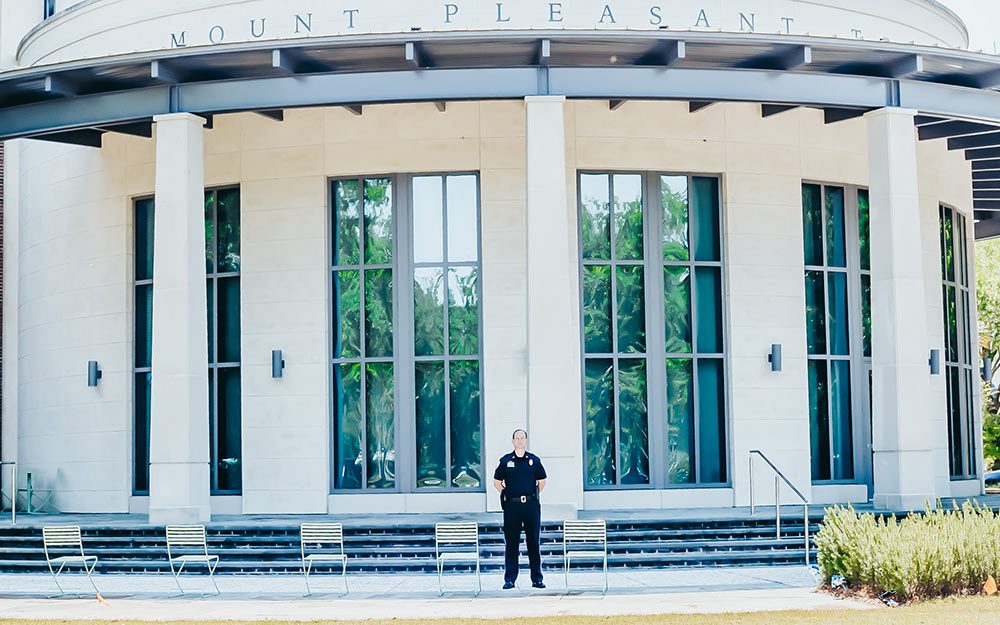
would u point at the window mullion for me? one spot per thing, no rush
(655, 340)
(695, 453)
(612, 231)
(403, 365)
(362, 336)
(446, 278)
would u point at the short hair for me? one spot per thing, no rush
(514, 435)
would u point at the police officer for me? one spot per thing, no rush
(520, 477)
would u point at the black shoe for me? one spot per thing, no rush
(538, 585)
(508, 585)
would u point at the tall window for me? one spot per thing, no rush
(653, 331)
(48, 9)
(865, 258)
(958, 344)
(837, 251)
(222, 267)
(446, 331)
(143, 344)
(407, 406)
(364, 398)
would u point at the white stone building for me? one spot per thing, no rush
(590, 220)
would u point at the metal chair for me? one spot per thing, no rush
(451, 544)
(192, 537)
(581, 540)
(323, 536)
(67, 536)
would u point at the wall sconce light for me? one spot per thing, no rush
(775, 357)
(935, 362)
(987, 371)
(93, 373)
(277, 364)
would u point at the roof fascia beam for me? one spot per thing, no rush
(791, 58)
(277, 115)
(993, 163)
(59, 86)
(953, 129)
(135, 129)
(292, 62)
(770, 110)
(544, 53)
(909, 65)
(161, 71)
(982, 154)
(416, 55)
(834, 115)
(986, 140)
(988, 80)
(87, 137)
(665, 53)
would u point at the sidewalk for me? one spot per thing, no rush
(682, 591)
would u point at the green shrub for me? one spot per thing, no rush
(934, 554)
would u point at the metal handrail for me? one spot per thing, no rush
(13, 490)
(779, 477)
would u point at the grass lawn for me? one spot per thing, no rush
(965, 611)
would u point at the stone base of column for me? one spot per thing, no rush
(175, 493)
(558, 511)
(904, 480)
(898, 502)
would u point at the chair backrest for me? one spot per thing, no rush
(585, 531)
(460, 533)
(186, 536)
(322, 534)
(61, 536)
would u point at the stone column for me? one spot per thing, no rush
(555, 421)
(179, 455)
(902, 412)
(11, 151)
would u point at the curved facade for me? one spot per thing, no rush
(609, 273)
(101, 27)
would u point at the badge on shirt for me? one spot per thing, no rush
(531, 463)
(510, 464)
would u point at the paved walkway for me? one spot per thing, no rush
(683, 591)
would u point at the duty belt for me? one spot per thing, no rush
(523, 498)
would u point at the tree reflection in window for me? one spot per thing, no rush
(446, 315)
(626, 400)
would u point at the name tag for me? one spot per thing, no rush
(510, 464)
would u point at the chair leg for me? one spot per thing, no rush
(211, 576)
(305, 573)
(440, 567)
(343, 575)
(605, 574)
(177, 577)
(90, 576)
(479, 579)
(55, 578)
(566, 570)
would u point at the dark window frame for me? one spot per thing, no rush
(655, 354)
(404, 358)
(963, 445)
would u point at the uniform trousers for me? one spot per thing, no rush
(518, 517)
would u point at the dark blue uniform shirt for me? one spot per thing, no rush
(520, 474)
